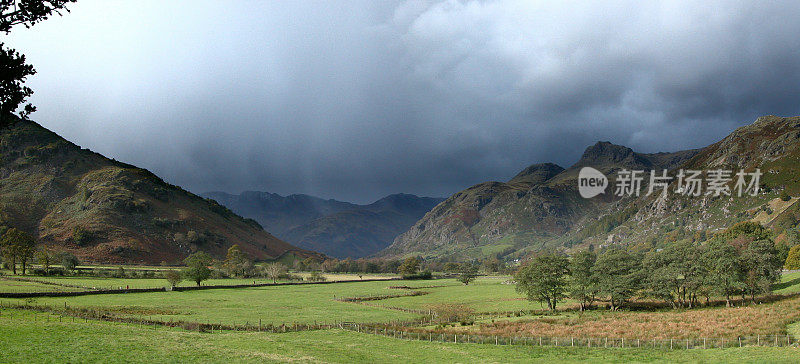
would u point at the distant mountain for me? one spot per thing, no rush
(336, 228)
(279, 214)
(533, 210)
(106, 211)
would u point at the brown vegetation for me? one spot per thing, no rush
(760, 319)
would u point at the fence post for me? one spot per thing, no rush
(573, 341)
(759, 340)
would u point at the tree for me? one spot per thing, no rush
(45, 259)
(173, 277)
(451, 267)
(618, 275)
(197, 267)
(583, 282)
(409, 267)
(677, 274)
(18, 247)
(13, 69)
(275, 271)
(68, 261)
(544, 279)
(793, 259)
(467, 273)
(237, 264)
(762, 267)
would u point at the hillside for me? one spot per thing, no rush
(509, 219)
(500, 218)
(336, 228)
(771, 144)
(106, 211)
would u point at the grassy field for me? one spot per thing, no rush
(288, 304)
(482, 295)
(116, 283)
(28, 337)
(12, 286)
(790, 283)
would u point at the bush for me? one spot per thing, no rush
(291, 277)
(316, 277)
(421, 275)
(444, 313)
(82, 236)
(173, 277)
(793, 259)
(785, 196)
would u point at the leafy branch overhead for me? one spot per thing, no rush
(29, 12)
(13, 69)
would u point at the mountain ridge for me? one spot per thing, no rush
(337, 228)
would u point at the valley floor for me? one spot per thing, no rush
(57, 335)
(38, 337)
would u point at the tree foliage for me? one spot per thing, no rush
(275, 271)
(197, 267)
(18, 248)
(173, 277)
(409, 267)
(583, 282)
(618, 275)
(67, 260)
(793, 259)
(467, 273)
(13, 69)
(237, 263)
(543, 279)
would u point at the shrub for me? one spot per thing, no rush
(316, 277)
(421, 275)
(444, 313)
(82, 236)
(793, 259)
(173, 277)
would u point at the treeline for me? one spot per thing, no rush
(742, 261)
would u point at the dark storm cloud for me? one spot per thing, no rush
(355, 100)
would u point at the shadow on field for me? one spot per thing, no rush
(787, 284)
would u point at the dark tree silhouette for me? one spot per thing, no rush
(13, 69)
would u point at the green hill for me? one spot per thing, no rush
(102, 210)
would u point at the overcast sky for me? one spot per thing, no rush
(355, 100)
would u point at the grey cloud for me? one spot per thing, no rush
(355, 100)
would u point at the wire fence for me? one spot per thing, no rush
(588, 342)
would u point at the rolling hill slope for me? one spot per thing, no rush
(102, 210)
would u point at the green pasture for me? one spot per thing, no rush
(276, 305)
(36, 337)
